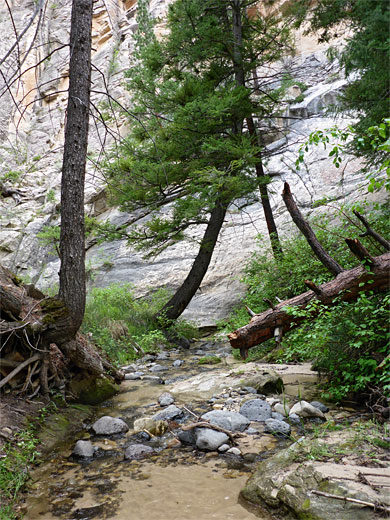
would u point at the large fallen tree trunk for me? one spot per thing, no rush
(345, 287)
(36, 350)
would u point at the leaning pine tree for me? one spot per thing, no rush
(192, 94)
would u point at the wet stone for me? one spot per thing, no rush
(293, 418)
(210, 440)
(231, 421)
(280, 428)
(169, 413)
(186, 437)
(162, 356)
(252, 431)
(134, 376)
(177, 363)
(166, 399)
(234, 451)
(256, 410)
(138, 451)
(278, 416)
(83, 449)
(320, 406)
(158, 368)
(107, 425)
(223, 448)
(157, 379)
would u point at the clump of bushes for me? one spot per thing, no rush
(124, 326)
(347, 341)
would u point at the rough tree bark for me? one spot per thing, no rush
(179, 301)
(346, 286)
(72, 241)
(308, 233)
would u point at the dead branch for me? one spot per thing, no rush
(18, 369)
(377, 507)
(370, 232)
(308, 233)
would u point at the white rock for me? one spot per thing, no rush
(305, 409)
(283, 409)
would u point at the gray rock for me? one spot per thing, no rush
(177, 363)
(266, 382)
(138, 451)
(83, 449)
(210, 440)
(223, 448)
(162, 356)
(231, 421)
(166, 399)
(133, 377)
(281, 408)
(169, 413)
(278, 416)
(249, 390)
(280, 428)
(157, 379)
(293, 418)
(186, 437)
(256, 410)
(252, 431)
(304, 409)
(148, 357)
(107, 425)
(320, 406)
(158, 368)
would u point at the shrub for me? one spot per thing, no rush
(347, 341)
(121, 323)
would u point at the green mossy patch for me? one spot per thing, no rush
(92, 390)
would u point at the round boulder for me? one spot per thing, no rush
(107, 425)
(83, 449)
(210, 440)
(256, 410)
(232, 421)
(279, 428)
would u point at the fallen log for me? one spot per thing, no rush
(345, 287)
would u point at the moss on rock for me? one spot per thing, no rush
(92, 390)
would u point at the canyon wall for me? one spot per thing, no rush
(31, 141)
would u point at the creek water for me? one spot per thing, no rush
(179, 482)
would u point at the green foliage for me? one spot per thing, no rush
(50, 196)
(376, 138)
(14, 470)
(366, 54)
(209, 360)
(187, 145)
(120, 323)
(11, 176)
(347, 341)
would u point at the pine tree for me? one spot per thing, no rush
(193, 92)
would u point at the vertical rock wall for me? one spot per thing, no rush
(31, 140)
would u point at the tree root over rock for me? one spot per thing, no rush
(36, 353)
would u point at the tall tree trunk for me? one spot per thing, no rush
(239, 75)
(179, 301)
(72, 247)
(268, 214)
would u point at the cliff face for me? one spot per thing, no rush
(31, 139)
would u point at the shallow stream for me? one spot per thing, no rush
(179, 482)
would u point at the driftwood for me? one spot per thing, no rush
(36, 352)
(377, 507)
(345, 287)
(371, 232)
